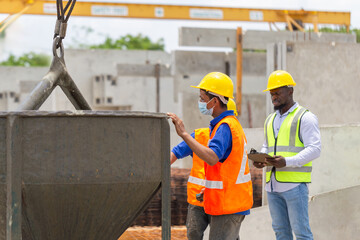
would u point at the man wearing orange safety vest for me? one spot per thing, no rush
(197, 220)
(228, 188)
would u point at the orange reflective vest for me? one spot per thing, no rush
(228, 186)
(196, 180)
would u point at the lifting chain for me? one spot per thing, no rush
(63, 15)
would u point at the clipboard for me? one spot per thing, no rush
(259, 157)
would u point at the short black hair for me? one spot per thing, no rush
(211, 96)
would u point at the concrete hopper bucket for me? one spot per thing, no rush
(78, 175)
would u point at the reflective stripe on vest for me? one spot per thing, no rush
(228, 186)
(196, 181)
(214, 184)
(291, 169)
(242, 177)
(288, 144)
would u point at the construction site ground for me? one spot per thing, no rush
(152, 233)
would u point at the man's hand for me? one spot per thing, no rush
(203, 152)
(259, 164)
(200, 195)
(178, 123)
(277, 161)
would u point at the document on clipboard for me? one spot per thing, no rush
(258, 157)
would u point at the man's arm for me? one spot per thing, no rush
(205, 153)
(181, 150)
(173, 158)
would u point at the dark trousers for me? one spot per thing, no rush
(223, 227)
(196, 222)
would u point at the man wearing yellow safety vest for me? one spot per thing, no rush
(228, 188)
(197, 220)
(292, 136)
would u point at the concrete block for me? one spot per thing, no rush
(3, 101)
(338, 142)
(327, 79)
(252, 110)
(252, 39)
(207, 37)
(339, 211)
(186, 62)
(336, 210)
(9, 100)
(254, 63)
(98, 90)
(191, 63)
(143, 70)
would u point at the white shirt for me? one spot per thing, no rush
(309, 134)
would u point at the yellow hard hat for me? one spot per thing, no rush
(217, 82)
(279, 78)
(232, 106)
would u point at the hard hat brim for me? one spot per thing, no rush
(269, 89)
(232, 97)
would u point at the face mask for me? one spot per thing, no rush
(203, 109)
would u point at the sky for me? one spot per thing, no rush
(34, 33)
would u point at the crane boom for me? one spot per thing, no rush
(179, 12)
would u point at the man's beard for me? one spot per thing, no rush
(279, 107)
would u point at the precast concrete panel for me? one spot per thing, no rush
(327, 77)
(83, 175)
(253, 39)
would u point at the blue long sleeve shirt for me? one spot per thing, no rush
(221, 143)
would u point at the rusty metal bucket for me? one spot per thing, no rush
(80, 175)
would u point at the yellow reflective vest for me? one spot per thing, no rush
(287, 144)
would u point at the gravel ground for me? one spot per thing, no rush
(152, 233)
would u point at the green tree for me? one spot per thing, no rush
(130, 42)
(27, 60)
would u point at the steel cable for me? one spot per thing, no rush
(63, 15)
